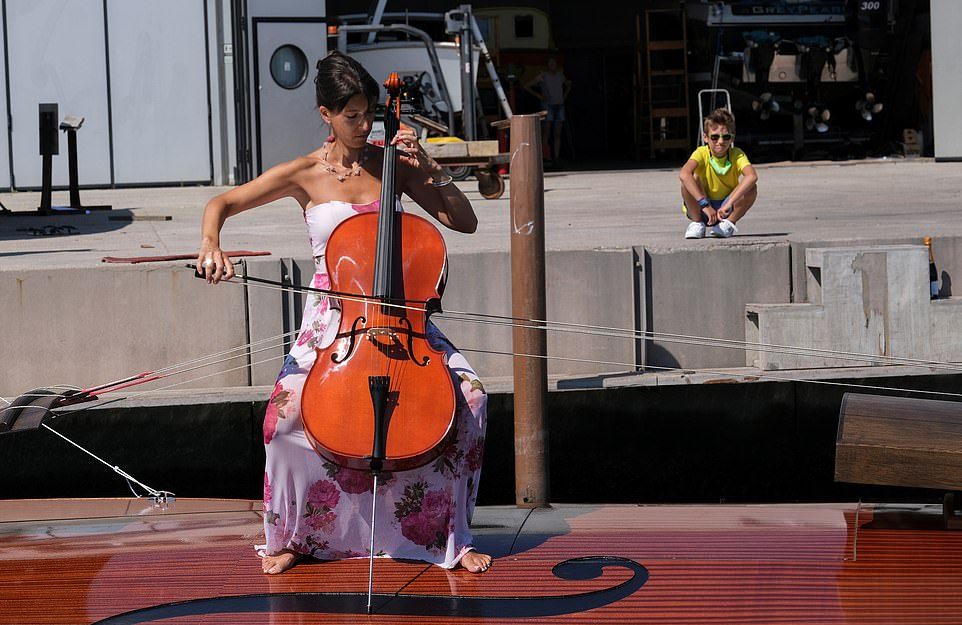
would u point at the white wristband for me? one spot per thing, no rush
(443, 182)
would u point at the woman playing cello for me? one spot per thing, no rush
(314, 507)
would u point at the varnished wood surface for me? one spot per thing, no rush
(899, 441)
(704, 564)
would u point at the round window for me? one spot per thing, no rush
(289, 66)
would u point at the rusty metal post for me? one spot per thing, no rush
(528, 302)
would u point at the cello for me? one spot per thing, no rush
(379, 397)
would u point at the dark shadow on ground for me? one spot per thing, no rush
(29, 252)
(763, 235)
(16, 225)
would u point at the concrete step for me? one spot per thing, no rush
(870, 300)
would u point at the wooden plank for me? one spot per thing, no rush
(894, 466)
(706, 564)
(666, 45)
(905, 433)
(912, 423)
(462, 149)
(899, 441)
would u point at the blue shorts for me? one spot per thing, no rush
(716, 204)
(556, 112)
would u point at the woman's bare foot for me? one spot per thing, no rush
(476, 562)
(280, 562)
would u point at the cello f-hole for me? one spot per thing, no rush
(410, 332)
(350, 346)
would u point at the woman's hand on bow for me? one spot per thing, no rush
(213, 264)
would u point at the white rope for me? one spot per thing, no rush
(114, 468)
(177, 373)
(627, 333)
(543, 325)
(713, 372)
(705, 341)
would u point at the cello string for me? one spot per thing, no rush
(63, 413)
(753, 375)
(185, 366)
(709, 341)
(117, 469)
(209, 375)
(174, 369)
(729, 344)
(649, 334)
(687, 339)
(725, 373)
(192, 379)
(244, 347)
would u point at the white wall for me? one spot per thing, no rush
(946, 78)
(138, 73)
(158, 91)
(4, 143)
(221, 59)
(57, 54)
(148, 59)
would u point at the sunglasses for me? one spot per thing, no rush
(724, 137)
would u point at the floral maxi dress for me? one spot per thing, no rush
(317, 508)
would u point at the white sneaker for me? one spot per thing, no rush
(696, 230)
(723, 229)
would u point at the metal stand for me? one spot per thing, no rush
(70, 125)
(46, 185)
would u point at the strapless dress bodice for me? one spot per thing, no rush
(323, 218)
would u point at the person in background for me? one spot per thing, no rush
(718, 183)
(553, 89)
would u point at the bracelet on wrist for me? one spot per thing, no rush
(704, 203)
(442, 180)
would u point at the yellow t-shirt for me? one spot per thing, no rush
(718, 187)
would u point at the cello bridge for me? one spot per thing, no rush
(374, 333)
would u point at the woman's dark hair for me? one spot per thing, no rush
(340, 78)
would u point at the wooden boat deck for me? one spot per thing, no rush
(127, 561)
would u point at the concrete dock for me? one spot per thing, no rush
(821, 201)
(616, 258)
